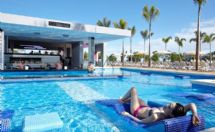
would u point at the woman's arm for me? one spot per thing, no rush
(149, 119)
(192, 107)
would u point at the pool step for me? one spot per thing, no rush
(42, 122)
(80, 92)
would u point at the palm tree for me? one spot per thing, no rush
(199, 3)
(179, 41)
(145, 35)
(209, 39)
(166, 40)
(150, 15)
(133, 31)
(104, 22)
(122, 25)
(202, 34)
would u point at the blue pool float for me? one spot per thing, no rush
(5, 120)
(179, 124)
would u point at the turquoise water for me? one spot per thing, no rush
(74, 100)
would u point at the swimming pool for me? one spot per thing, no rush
(75, 100)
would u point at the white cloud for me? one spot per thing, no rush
(207, 26)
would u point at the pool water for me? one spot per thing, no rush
(74, 101)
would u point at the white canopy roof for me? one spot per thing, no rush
(193, 53)
(163, 52)
(24, 27)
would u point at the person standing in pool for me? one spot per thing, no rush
(140, 112)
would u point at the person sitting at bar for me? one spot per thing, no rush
(59, 66)
(21, 65)
(90, 67)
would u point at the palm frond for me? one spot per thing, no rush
(179, 41)
(144, 34)
(199, 2)
(183, 39)
(122, 24)
(153, 13)
(192, 40)
(133, 31)
(213, 37)
(152, 34)
(106, 22)
(209, 38)
(146, 13)
(166, 40)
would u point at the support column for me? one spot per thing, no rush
(6, 44)
(81, 55)
(91, 49)
(100, 48)
(1, 49)
(77, 55)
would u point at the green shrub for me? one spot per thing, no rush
(112, 58)
(155, 57)
(175, 57)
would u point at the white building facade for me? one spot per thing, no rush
(37, 42)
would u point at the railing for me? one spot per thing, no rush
(203, 66)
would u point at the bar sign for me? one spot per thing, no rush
(59, 24)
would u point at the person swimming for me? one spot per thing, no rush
(140, 112)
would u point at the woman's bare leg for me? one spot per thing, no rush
(127, 96)
(141, 102)
(134, 100)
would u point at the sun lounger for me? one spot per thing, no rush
(181, 124)
(42, 122)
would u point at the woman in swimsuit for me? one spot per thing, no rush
(142, 113)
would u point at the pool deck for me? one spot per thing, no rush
(171, 70)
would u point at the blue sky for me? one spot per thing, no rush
(177, 17)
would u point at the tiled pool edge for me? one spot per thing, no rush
(170, 72)
(56, 79)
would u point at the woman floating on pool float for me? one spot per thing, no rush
(142, 113)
